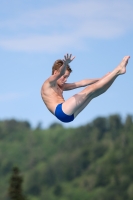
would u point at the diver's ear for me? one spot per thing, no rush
(55, 71)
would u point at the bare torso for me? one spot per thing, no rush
(51, 95)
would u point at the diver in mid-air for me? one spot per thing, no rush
(53, 87)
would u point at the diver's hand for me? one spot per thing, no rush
(68, 58)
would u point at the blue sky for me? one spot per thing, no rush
(33, 34)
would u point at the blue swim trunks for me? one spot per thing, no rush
(61, 115)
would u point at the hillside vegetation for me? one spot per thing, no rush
(90, 162)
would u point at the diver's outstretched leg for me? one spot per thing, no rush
(78, 102)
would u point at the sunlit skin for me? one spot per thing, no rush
(53, 87)
(63, 79)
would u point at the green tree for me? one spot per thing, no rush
(15, 188)
(115, 125)
(128, 122)
(58, 190)
(100, 124)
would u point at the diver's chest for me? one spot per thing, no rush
(59, 90)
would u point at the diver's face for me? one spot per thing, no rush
(63, 79)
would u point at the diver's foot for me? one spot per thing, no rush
(123, 64)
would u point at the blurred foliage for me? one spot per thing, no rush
(94, 161)
(15, 185)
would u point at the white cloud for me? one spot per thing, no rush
(67, 24)
(49, 43)
(10, 96)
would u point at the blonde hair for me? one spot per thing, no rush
(57, 64)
